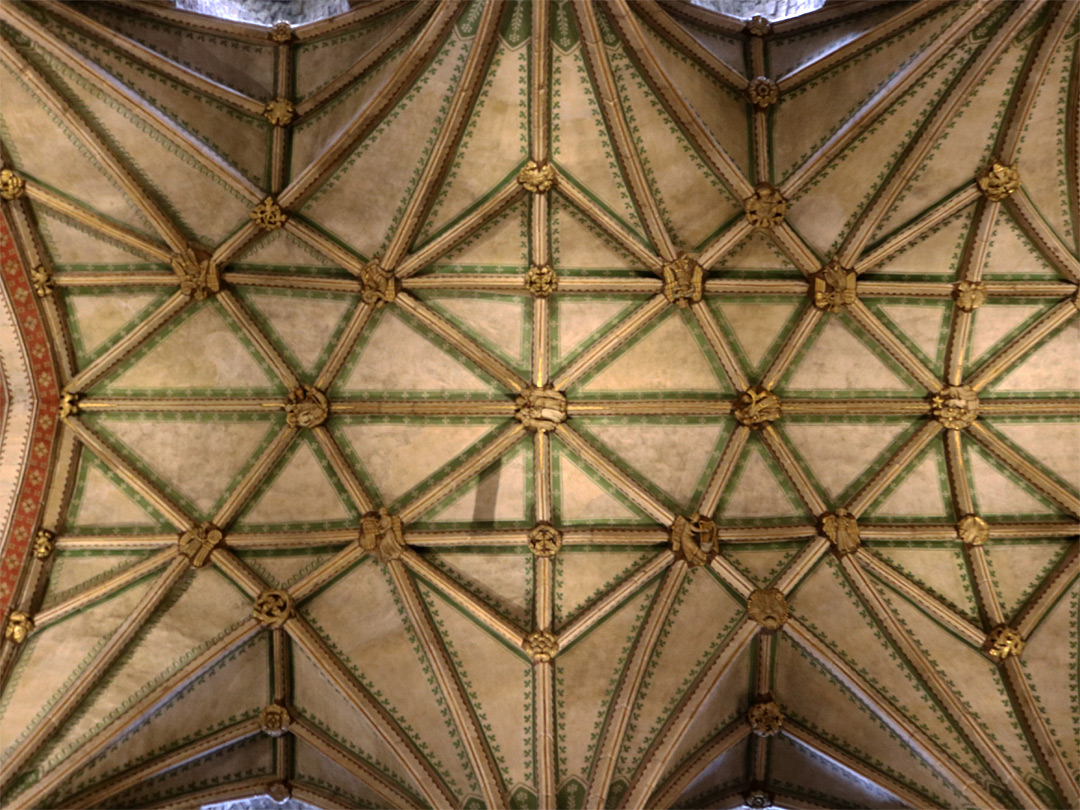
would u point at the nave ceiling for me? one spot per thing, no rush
(508, 404)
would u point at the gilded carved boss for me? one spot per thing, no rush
(44, 544)
(274, 720)
(763, 92)
(279, 112)
(378, 286)
(833, 287)
(306, 407)
(11, 185)
(197, 272)
(756, 407)
(766, 208)
(541, 281)
(540, 409)
(273, 608)
(541, 646)
(537, 177)
(19, 626)
(842, 529)
(1003, 642)
(199, 542)
(684, 281)
(765, 717)
(969, 295)
(973, 530)
(545, 540)
(998, 180)
(383, 533)
(955, 406)
(268, 215)
(768, 607)
(695, 539)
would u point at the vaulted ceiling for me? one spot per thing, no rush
(508, 404)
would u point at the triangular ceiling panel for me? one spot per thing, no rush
(935, 253)
(500, 245)
(582, 576)
(203, 466)
(760, 562)
(78, 247)
(502, 324)
(702, 615)
(834, 204)
(375, 366)
(379, 447)
(317, 130)
(580, 321)
(995, 325)
(75, 571)
(755, 254)
(593, 665)
(583, 496)
(577, 243)
(840, 357)
(645, 364)
(490, 150)
(758, 326)
(103, 502)
(373, 650)
(303, 328)
(500, 577)
(200, 351)
(500, 495)
(841, 455)
(1054, 366)
(302, 493)
(1053, 444)
(99, 318)
(921, 325)
(1017, 568)
(937, 568)
(500, 684)
(758, 489)
(997, 494)
(1010, 254)
(283, 569)
(680, 470)
(575, 113)
(921, 491)
(380, 175)
(279, 250)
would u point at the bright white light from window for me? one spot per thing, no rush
(267, 12)
(771, 10)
